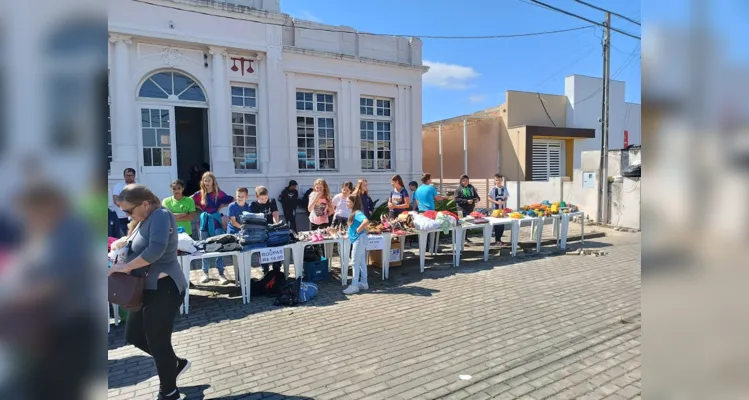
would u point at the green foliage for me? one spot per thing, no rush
(379, 211)
(445, 205)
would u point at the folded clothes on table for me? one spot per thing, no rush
(253, 227)
(278, 226)
(244, 240)
(250, 218)
(253, 246)
(222, 239)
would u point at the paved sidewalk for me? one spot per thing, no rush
(534, 327)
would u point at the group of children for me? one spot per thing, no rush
(351, 208)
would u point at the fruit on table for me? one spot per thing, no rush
(516, 215)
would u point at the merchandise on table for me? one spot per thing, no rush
(547, 209)
(254, 219)
(424, 223)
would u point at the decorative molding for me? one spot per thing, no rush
(114, 38)
(171, 56)
(217, 51)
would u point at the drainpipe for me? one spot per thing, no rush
(442, 171)
(465, 147)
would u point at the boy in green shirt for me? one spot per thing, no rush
(182, 206)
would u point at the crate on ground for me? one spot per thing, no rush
(375, 256)
(316, 270)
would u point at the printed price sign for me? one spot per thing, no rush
(376, 242)
(271, 255)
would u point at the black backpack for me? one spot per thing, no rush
(290, 294)
(272, 283)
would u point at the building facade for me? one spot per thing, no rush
(531, 136)
(259, 96)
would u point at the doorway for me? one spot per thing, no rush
(191, 143)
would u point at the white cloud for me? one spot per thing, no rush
(306, 15)
(477, 98)
(449, 76)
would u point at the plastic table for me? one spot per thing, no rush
(386, 237)
(328, 244)
(186, 260)
(297, 255)
(423, 237)
(566, 217)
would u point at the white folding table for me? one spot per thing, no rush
(186, 260)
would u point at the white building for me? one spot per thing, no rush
(585, 96)
(260, 96)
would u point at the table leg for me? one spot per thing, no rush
(386, 256)
(346, 256)
(422, 250)
(563, 231)
(456, 251)
(488, 228)
(582, 230)
(186, 261)
(514, 236)
(288, 254)
(556, 229)
(539, 233)
(299, 261)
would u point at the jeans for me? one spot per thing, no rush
(219, 262)
(498, 231)
(150, 330)
(359, 253)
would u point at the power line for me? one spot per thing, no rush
(288, 20)
(584, 19)
(545, 110)
(611, 12)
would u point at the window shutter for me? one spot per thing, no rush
(547, 160)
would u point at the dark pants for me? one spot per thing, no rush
(290, 215)
(150, 329)
(314, 227)
(498, 231)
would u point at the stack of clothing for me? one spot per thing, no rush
(253, 233)
(220, 243)
(278, 234)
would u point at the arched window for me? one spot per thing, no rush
(171, 86)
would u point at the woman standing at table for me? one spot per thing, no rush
(362, 190)
(498, 196)
(320, 205)
(210, 199)
(342, 210)
(399, 201)
(153, 253)
(357, 233)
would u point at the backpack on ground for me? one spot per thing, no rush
(290, 294)
(307, 291)
(272, 283)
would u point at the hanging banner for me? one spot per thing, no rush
(626, 139)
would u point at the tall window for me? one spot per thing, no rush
(244, 127)
(315, 124)
(376, 133)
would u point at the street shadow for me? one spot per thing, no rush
(197, 393)
(129, 371)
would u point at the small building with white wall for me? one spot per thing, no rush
(261, 97)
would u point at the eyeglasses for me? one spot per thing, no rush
(130, 211)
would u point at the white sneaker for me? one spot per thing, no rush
(363, 286)
(353, 289)
(222, 279)
(206, 278)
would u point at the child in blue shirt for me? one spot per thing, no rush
(357, 234)
(236, 209)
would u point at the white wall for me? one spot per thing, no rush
(625, 203)
(385, 67)
(584, 97)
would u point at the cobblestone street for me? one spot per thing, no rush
(537, 326)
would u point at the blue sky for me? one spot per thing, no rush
(470, 75)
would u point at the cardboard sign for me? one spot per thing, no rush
(375, 242)
(271, 255)
(395, 255)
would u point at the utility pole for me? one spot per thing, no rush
(603, 190)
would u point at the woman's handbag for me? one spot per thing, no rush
(126, 290)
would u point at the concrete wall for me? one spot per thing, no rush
(524, 108)
(584, 96)
(625, 203)
(556, 189)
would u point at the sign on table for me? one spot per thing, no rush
(271, 255)
(376, 242)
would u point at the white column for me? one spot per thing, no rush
(279, 137)
(402, 141)
(414, 116)
(353, 129)
(345, 133)
(264, 118)
(222, 160)
(125, 134)
(293, 160)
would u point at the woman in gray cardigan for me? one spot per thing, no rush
(152, 237)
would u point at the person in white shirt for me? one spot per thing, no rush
(342, 212)
(129, 174)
